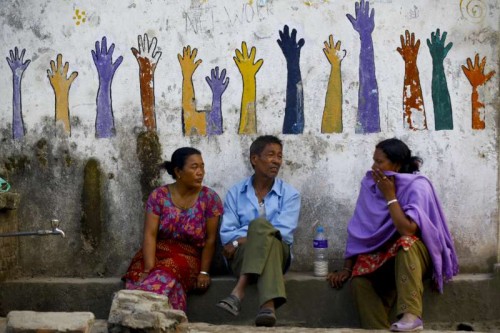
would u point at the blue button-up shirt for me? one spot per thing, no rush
(282, 208)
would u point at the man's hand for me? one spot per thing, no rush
(229, 250)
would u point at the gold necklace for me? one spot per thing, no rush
(181, 202)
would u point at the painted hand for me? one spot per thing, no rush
(364, 23)
(147, 56)
(217, 83)
(333, 53)
(436, 46)
(188, 65)
(409, 49)
(103, 60)
(475, 73)
(16, 63)
(58, 76)
(246, 61)
(289, 45)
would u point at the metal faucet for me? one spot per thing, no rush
(55, 231)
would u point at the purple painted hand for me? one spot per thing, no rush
(18, 67)
(368, 118)
(217, 83)
(103, 60)
(16, 63)
(289, 45)
(364, 23)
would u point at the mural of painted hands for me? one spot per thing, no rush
(475, 75)
(18, 66)
(194, 122)
(413, 103)
(248, 67)
(443, 115)
(332, 113)
(103, 60)
(294, 109)
(218, 84)
(147, 56)
(61, 83)
(368, 117)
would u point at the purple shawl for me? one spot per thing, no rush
(371, 225)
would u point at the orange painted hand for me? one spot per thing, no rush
(59, 81)
(188, 65)
(333, 53)
(246, 61)
(475, 73)
(409, 49)
(58, 76)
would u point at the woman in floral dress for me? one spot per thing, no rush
(179, 233)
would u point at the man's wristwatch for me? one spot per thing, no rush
(235, 244)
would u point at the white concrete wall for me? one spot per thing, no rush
(325, 168)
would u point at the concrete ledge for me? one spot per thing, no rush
(311, 302)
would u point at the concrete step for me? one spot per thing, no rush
(311, 302)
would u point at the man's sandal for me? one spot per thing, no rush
(231, 304)
(265, 317)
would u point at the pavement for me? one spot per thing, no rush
(100, 326)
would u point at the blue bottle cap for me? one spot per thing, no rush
(320, 229)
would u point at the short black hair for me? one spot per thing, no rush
(259, 144)
(178, 159)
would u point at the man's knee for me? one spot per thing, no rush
(258, 224)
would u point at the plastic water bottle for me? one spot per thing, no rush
(320, 244)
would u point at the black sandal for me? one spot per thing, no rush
(265, 317)
(231, 304)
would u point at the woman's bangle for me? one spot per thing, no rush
(204, 273)
(390, 202)
(347, 269)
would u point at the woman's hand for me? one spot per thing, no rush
(203, 281)
(385, 184)
(337, 279)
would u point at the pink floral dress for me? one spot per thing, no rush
(180, 241)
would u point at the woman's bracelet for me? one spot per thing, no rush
(390, 202)
(204, 273)
(347, 269)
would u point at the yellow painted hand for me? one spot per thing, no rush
(333, 53)
(59, 81)
(188, 65)
(248, 68)
(332, 113)
(245, 61)
(194, 122)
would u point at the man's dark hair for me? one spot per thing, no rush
(259, 144)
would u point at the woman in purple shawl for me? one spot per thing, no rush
(396, 237)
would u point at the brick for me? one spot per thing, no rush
(135, 309)
(49, 322)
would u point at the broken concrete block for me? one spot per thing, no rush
(150, 312)
(49, 322)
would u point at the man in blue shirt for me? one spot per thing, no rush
(261, 214)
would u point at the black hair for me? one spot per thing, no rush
(259, 144)
(398, 152)
(178, 159)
